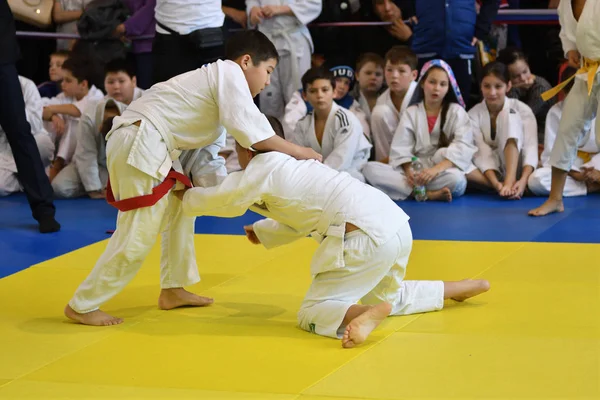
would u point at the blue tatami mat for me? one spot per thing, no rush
(469, 218)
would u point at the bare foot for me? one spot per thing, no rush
(360, 327)
(506, 190)
(443, 194)
(94, 318)
(471, 288)
(179, 297)
(498, 186)
(550, 206)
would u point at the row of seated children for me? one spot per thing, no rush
(355, 91)
(379, 105)
(68, 128)
(494, 146)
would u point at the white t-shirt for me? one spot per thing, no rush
(186, 16)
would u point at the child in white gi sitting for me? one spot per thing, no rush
(505, 133)
(365, 241)
(437, 130)
(329, 129)
(298, 106)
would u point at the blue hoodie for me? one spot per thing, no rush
(446, 27)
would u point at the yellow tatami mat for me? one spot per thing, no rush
(535, 335)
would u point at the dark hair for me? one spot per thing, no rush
(106, 126)
(120, 65)
(253, 43)
(315, 74)
(496, 69)
(365, 58)
(402, 55)
(80, 68)
(511, 55)
(61, 53)
(276, 125)
(444, 141)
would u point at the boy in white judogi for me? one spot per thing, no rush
(330, 129)
(369, 82)
(505, 132)
(63, 111)
(298, 107)
(87, 174)
(579, 182)
(580, 37)
(436, 130)
(344, 82)
(284, 22)
(188, 112)
(400, 73)
(365, 241)
(295, 110)
(9, 182)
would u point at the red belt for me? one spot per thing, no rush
(147, 200)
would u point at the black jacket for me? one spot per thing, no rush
(100, 19)
(96, 26)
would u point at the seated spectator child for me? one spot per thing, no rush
(505, 132)
(52, 87)
(369, 76)
(344, 78)
(329, 129)
(436, 130)
(87, 174)
(526, 86)
(400, 74)
(63, 111)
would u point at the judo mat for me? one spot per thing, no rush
(534, 335)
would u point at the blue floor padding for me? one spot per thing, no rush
(472, 218)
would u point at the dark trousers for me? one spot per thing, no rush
(462, 71)
(175, 54)
(143, 70)
(25, 151)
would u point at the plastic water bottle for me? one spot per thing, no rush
(419, 192)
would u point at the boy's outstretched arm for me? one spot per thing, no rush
(244, 121)
(66, 109)
(275, 143)
(273, 234)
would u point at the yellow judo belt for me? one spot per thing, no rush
(589, 66)
(585, 156)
